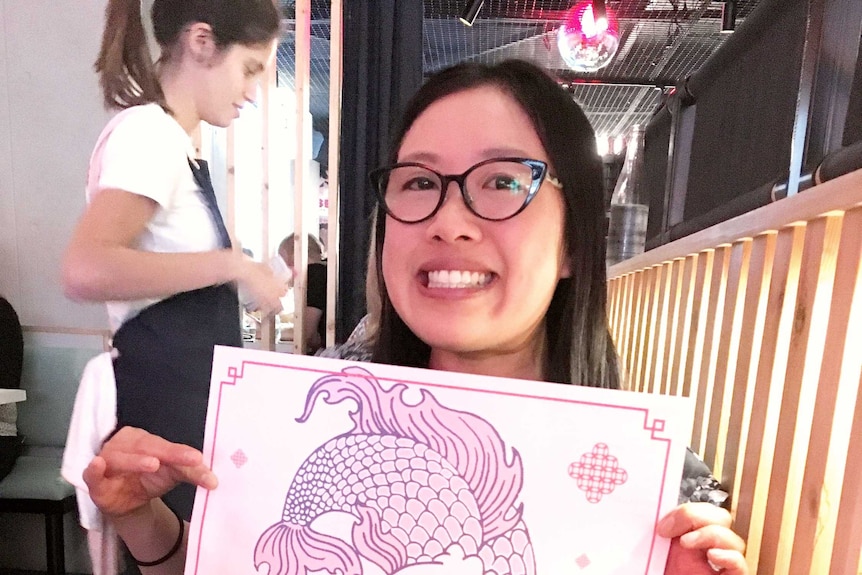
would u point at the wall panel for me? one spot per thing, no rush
(51, 107)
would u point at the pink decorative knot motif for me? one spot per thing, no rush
(239, 458)
(598, 473)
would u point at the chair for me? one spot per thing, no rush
(50, 377)
(11, 360)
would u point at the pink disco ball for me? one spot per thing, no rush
(587, 44)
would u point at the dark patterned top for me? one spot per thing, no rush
(698, 484)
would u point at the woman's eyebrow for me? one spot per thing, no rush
(426, 156)
(419, 157)
(503, 152)
(255, 65)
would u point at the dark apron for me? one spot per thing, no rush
(165, 358)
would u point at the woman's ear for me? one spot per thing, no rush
(565, 265)
(200, 43)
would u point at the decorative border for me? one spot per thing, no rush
(655, 426)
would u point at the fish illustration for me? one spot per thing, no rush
(424, 482)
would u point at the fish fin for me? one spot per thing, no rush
(379, 546)
(290, 549)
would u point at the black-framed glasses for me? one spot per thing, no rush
(495, 189)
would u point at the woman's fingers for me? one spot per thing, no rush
(728, 562)
(713, 537)
(701, 526)
(701, 532)
(135, 466)
(198, 475)
(690, 517)
(94, 472)
(137, 442)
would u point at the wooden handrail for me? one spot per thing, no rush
(105, 334)
(760, 320)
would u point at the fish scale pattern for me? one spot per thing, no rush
(425, 481)
(417, 494)
(509, 554)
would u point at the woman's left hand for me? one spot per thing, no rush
(702, 541)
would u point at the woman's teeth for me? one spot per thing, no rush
(457, 279)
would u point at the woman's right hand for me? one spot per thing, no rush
(261, 289)
(134, 467)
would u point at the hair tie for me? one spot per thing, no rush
(172, 551)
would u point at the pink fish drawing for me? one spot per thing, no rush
(426, 484)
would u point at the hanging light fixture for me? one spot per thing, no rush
(728, 17)
(589, 37)
(471, 10)
(600, 11)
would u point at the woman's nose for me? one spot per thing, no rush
(454, 220)
(250, 92)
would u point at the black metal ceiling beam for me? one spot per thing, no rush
(570, 77)
(560, 15)
(555, 10)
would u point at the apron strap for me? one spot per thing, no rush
(205, 188)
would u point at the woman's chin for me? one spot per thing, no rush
(452, 338)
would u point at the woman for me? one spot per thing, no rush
(501, 273)
(152, 243)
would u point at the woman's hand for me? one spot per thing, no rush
(134, 467)
(702, 541)
(261, 289)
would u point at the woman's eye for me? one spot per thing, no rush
(508, 183)
(420, 183)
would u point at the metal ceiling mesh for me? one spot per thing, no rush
(286, 63)
(661, 42)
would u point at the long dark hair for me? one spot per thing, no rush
(580, 349)
(126, 70)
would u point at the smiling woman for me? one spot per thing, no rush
(497, 326)
(505, 278)
(543, 301)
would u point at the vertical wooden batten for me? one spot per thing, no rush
(336, 66)
(300, 174)
(267, 155)
(728, 352)
(230, 179)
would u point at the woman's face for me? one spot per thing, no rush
(508, 269)
(229, 80)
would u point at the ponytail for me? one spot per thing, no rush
(126, 69)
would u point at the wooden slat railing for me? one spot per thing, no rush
(759, 319)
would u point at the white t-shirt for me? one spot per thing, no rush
(143, 150)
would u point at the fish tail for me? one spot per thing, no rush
(290, 549)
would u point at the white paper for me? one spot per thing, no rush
(450, 473)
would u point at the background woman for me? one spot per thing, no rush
(152, 243)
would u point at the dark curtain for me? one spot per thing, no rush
(382, 70)
(853, 123)
(746, 96)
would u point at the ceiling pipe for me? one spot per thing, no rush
(471, 10)
(728, 17)
(600, 10)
